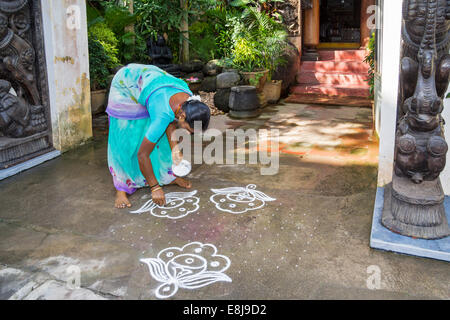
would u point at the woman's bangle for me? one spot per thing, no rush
(154, 190)
(156, 185)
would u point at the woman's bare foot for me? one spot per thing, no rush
(122, 201)
(183, 183)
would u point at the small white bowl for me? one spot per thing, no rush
(182, 169)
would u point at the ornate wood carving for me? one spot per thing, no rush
(24, 109)
(289, 9)
(416, 207)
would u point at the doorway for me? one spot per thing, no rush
(340, 24)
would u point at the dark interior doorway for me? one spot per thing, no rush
(340, 21)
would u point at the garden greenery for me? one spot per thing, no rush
(247, 35)
(259, 38)
(370, 59)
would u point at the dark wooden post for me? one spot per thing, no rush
(414, 203)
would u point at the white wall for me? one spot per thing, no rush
(445, 176)
(67, 56)
(387, 89)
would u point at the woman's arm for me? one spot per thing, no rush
(147, 170)
(169, 131)
(176, 154)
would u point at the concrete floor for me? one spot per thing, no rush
(311, 243)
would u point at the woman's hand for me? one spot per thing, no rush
(177, 156)
(158, 197)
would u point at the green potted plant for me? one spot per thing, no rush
(276, 48)
(249, 61)
(259, 42)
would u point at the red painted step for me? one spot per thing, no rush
(332, 90)
(335, 66)
(341, 79)
(342, 55)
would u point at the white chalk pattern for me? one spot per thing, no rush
(178, 205)
(193, 266)
(238, 200)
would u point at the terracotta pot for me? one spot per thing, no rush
(272, 91)
(98, 101)
(248, 76)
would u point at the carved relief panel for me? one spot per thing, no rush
(24, 108)
(289, 9)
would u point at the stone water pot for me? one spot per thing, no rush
(244, 102)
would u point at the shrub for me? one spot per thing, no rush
(259, 39)
(98, 64)
(100, 33)
(370, 59)
(203, 41)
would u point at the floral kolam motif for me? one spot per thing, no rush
(178, 205)
(238, 200)
(194, 266)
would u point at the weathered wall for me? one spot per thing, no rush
(290, 10)
(66, 46)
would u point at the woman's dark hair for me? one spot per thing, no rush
(197, 111)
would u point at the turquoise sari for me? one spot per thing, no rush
(138, 108)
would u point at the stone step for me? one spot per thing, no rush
(329, 100)
(342, 79)
(342, 55)
(332, 90)
(335, 66)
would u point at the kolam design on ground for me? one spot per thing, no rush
(238, 200)
(178, 205)
(194, 266)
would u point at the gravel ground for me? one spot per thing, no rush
(208, 99)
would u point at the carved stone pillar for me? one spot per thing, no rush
(365, 17)
(24, 107)
(311, 33)
(414, 201)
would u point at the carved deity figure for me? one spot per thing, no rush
(21, 115)
(425, 68)
(17, 118)
(159, 52)
(17, 59)
(162, 56)
(414, 201)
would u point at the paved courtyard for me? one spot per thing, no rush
(309, 238)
